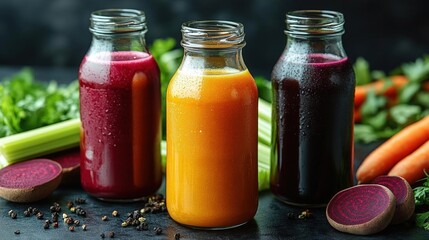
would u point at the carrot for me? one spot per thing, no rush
(425, 86)
(413, 166)
(382, 159)
(379, 87)
(357, 116)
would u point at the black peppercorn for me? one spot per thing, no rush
(111, 234)
(102, 235)
(177, 236)
(80, 200)
(17, 232)
(39, 215)
(46, 225)
(55, 224)
(157, 230)
(27, 213)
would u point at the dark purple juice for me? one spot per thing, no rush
(312, 148)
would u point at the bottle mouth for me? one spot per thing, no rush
(212, 34)
(108, 21)
(314, 23)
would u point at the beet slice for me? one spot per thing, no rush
(362, 209)
(405, 204)
(70, 162)
(29, 181)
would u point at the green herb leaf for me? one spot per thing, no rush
(362, 72)
(417, 71)
(26, 104)
(404, 114)
(422, 220)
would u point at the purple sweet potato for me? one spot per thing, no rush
(404, 195)
(362, 209)
(30, 181)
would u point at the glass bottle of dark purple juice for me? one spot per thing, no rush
(312, 129)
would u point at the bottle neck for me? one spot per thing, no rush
(118, 30)
(213, 44)
(213, 59)
(118, 42)
(323, 45)
(314, 32)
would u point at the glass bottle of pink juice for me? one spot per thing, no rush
(120, 106)
(313, 91)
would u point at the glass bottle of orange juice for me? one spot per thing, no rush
(212, 124)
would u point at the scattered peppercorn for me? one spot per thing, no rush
(39, 215)
(70, 204)
(80, 212)
(35, 211)
(291, 215)
(27, 213)
(111, 234)
(177, 236)
(73, 209)
(69, 221)
(305, 214)
(102, 235)
(115, 213)
(55, 224)
(46, 225)
(17, 232)
(55, 208)
(84, 227)
(65, 215)
(157, 230)
(80, 200)
(104, 218)
(76, 222)
(12, 214)
(71, 228)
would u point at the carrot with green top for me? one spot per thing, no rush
(380, 87)
(382, 159)
(413, 166)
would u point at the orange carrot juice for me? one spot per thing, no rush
(211, 178)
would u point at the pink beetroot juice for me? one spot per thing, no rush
(120, 105)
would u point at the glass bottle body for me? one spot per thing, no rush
(312, 146)
(120, 106)
(212, 109)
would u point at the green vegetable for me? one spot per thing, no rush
(362, 72)
(26, 104)
(168, 60)
(264, 88)
(421, 196)
(40, 141)
(380, 119)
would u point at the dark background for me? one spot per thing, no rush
(54, 33)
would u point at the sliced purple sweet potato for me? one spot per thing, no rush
(362, 209)
(70, 162)
(404, 195)
(30, 180)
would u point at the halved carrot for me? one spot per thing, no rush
(382, 159)
(413, 166)
(425, 86)
(379, 86)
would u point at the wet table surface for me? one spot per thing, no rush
(271, 220)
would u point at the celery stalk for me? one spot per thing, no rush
(264, 110)
(39, 141)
